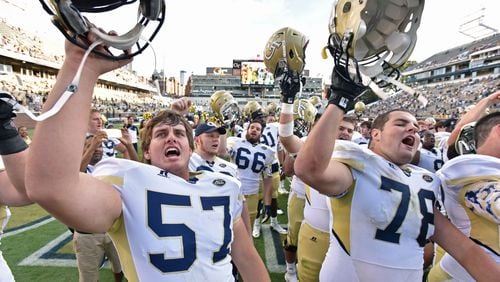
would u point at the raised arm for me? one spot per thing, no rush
(126, 140)
(12, 188)
(290, 142)
(473, 115)
(314, 164)
(14, 152)
(52, 172)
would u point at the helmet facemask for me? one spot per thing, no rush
(230, 112)
(67, 17)
(369, 40)
(466, 143)
(304, 114)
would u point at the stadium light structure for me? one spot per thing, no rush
(474, 27)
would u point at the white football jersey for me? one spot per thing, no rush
(298, 186)
(270, 136)
(471, 197)
(171, 229)
(109, 148)
(197, 163)
(382, 222)
(252, 160)
(316, 211)
(432, 161)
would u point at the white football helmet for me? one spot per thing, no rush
(67, 17)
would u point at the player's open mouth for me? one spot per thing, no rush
(409, 141)
(172, 152)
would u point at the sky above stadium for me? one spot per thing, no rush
(200, 33)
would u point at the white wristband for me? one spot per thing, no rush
(287, 108)
(286, 129)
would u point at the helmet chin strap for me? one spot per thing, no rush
(122, 42)
(72, 88)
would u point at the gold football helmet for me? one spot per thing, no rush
(285, 52)
(371, 39)
(272, 109)
(304, 114)
(377, 27)
(250, 108)
(224, 106)
(147, 115)
(316, 102)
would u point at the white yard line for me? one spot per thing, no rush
(36, 225)
(269, 249)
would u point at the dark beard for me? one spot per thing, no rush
(252, 140)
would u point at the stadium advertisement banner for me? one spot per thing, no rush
(253, 73)
(219, 71)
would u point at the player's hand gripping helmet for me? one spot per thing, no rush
(67, 17)
(304, 114)
(224, 107)
(250, 108)
(372, 38)
(285, 52)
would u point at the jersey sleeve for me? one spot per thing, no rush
(113, 171)
(483, 198)
(475, 180)
(351, 154)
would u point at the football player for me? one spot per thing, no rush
(167, 224)
(470, 192)
(383, 206)
(428, 157)
(309, 240)
(270, 137)
(253, 161)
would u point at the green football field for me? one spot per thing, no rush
(37, 247)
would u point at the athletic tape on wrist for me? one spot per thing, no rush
(287, 108)
(286, 129)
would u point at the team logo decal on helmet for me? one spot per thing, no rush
(285, 52)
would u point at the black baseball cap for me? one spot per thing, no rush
(207, 128)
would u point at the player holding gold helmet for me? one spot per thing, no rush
(224, 107)
(304, 114)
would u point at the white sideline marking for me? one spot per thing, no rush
(35, 258)
(15, 232)
(269, 249)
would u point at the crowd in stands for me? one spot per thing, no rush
(446, 99)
